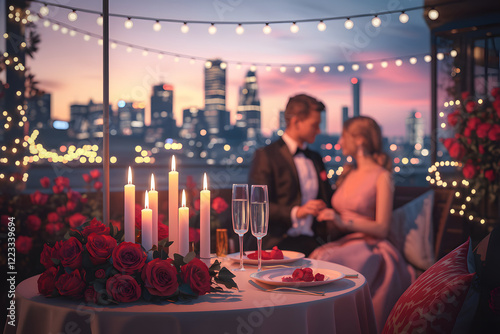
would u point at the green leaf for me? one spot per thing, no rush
(229, 283)
(215, 266)
(189, 256)
(164, 255)
(165, 243)
(56, 261)
(225, 273)
(156, 254)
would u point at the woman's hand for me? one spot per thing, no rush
(312, 207)
(326, 214)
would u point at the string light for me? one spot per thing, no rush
(376, 22)
(404, 18)
(453, 53)
(348, 24)
(321, 26)
(72, 16)
(369, 66)
(157, 26)
(267, 29)
(341, 68)
(294, 28)
(440, 56)
(100, 20)
(212, 29)
(239, 29)
(398, 62)
(433, 14)
(427, 58)
(184, 28)
(44, 11)
(384, 64)
(128, 23)
(312, 69)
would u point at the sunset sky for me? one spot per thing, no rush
(70, 68)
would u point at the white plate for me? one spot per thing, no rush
(288, 256)
(273, 277)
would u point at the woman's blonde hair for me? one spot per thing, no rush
(369, 131)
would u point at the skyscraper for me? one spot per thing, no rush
(131, 118)
(415, 132)
(215, 95)
(193, 121)
(39, 111)
(248, 114)
(356, 107)
(345, 114)
(162, 115)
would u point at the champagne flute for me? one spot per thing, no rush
(259, 213)
(240, 215)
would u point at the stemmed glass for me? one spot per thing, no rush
(240, 215)
(259, 213)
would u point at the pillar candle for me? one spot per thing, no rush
(129, 205)
(173, 205)
(147, 225)
(153, 204)
(183, 227)
(205, 220)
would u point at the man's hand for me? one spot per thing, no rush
(312, 207)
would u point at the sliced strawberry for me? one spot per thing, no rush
(319, 277)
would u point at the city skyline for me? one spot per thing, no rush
(391, 91)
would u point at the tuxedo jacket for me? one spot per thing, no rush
(273, 165)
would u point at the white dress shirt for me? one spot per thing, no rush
(308, 179)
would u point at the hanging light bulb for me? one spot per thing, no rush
(321, 26)
(341, 68)
(157, 26)
(129, 24)
(223, 65)
(427, 58)
(185, 28)
(376, 22)
(238, 66)
(326, 69)
(100, 42)
(46, 23)
(267, 29)
(64, 30)
(282, 69)
(384, 64)
(312, 69)
(348, 24)
(268, 68)
(297, 69)
(72, 16)
(129, 49)
(86, 38)
(44, 11)
(145, 53)
(253, 68)
(191, 61)
(212, 29)
(440, 56)
(369, 66)
(160, 56)
(413, 60)
(294, 28)
(55, 27)
(433, 14)
(208, 64)
(176, 59)
(239, 29)
(453, 53)
(114, 45)
(72, 33)
(399, 62)
(100, 20)
(355, 67)
(403, 17)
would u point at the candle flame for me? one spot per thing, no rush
(146, 201)
(153, 182)
(129, 175)
(173, 163)
(205, 181)
(183, 198)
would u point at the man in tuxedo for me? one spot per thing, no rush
(296, 178)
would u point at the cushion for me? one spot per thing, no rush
(432, 303)
(412, 233)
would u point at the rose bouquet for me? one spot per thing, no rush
(92, 265)
(477, 143)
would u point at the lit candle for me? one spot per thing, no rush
(205, 220)
(147, 225)
(173, 204)
(129, 216)
(183, 227)
(153, 204)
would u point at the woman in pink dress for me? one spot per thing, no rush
(362, 207)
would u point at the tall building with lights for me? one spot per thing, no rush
(130, 118)
(215, 96)
(162, 114)
(79, 123)
(356, 105)
(345, 114)
(248, 115)
(39, 112)
(193, 122)
(415, 132)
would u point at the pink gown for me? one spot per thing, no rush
(385, 269)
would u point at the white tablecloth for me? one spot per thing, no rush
(346, 308)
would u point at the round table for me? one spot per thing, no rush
(345, 308)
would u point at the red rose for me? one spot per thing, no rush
(53, 228)
(57, 189)
(128, 257)
(62, 181)
(483, 129)
(71, 285)
(47, 255)
(454, 117)
(162, 231)
(194, 234)
(496, 106)
(465, 95)
(84, 199)
(160, 277)
(481, 149)
(494, 133)
(219, 205)
(494, 301)
(490, 175)
(97, 185)
(24, 244)
(77, 219)
(100, 247)
(86, 178)
(46, 282)
(73, 196)
(70, 206)
(90, 295)
(100, 273)
(495, 92)
(470, 106)
(96, 227)
(469, 171)
(473, 123)
(456, 151)
(62, 210)
(123, 288)
(467, 132)
(70, 253)
(33, 223)
(95, 173)
(38, 198)
(196, 274)
(448, 142)
(45, 182)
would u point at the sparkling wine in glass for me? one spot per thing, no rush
(240, 215)
(259, 213)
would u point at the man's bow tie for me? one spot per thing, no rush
(299, 150)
